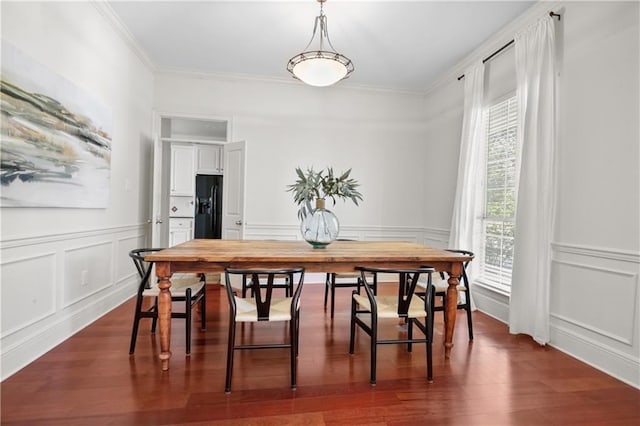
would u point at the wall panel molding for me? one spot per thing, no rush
(404, 233)
(630, 297)
(598, 252)
(30, 275)
(52, 332)
(78, 283)
(621, 365)
(53, 238)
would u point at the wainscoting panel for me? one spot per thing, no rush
(594, 308)
(125, 269)
(88, 269)
(578, 290)
(55, 285)
(365, 233)
(28, 294)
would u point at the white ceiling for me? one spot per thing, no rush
(393, 44)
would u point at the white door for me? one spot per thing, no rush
(233, 191)
(160, 214)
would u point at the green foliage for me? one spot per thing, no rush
(324, 184)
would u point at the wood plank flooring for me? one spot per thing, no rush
(499, 379)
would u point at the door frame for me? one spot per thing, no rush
(160, 177)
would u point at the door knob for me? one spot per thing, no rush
(158, 221)
(239, 222)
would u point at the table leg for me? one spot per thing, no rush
(451, 308)
(164, 314)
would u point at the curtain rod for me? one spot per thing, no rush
(552, 14)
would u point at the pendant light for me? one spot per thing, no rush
(320, 67)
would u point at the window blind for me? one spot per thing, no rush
(499, 207)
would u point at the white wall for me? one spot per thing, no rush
(402, 147)
(286, 124)
(45, 251)
(595, 291)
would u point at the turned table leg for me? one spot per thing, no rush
(164, 313)
(452, 307)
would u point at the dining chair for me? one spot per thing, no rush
(187, 288)
(335, 280)
(263, 307)
(405, 304)
(440, 286)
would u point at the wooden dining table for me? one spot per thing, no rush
(210, 256)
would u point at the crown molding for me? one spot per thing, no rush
(185, 73)
(114, 21)
(494, 42)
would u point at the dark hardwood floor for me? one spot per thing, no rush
(499, 379)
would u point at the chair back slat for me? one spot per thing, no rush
(263, 284)
(143, 266)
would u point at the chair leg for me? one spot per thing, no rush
(430, 361)
(429, 335)
(409, 334)
(374, 346)
(154, 322)
(353, 326)
(203, 309)
(293, 350)
(326, 289)
(244, 286)
(444, 308)
(468, 309)
(230, 347)
(333, 294)
(188, 320)
(136, 323)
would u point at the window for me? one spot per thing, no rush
(498, 218)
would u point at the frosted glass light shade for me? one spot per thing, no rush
(320, 72)
(320, 68)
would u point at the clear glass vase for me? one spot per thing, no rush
(321, 227)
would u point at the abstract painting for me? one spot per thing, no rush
(55, 148)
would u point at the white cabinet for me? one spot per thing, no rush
(182, 170)
(180, 230)
(209, 159)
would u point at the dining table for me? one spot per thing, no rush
(214, 255)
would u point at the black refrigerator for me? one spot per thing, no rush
(208, 214)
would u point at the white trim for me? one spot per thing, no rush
(71, 235)
(217, 76)
(121, 30)
(45, 315)
(588, 327)
(496, 41)
(628, 341)
(109, 281)
(31, 347)
(617, 364)
(600, 252)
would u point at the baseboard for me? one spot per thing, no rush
(606, 359)
(32, 347)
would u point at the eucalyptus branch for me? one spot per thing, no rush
(324, 184)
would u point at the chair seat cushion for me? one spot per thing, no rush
(179, 286)
(388, 306)
(247, 310)
(347, 275)
(439, 284)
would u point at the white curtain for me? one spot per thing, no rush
(465, 228)
(535, 69)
